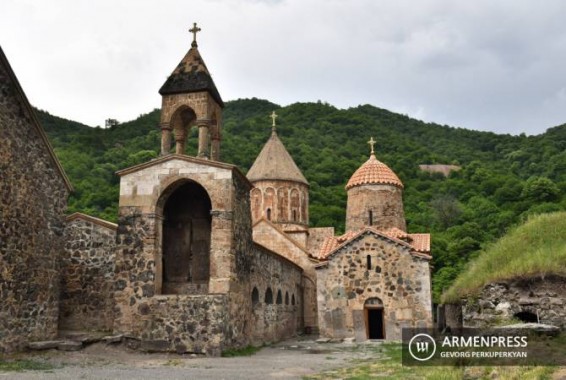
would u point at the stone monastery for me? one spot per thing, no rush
(203, 258)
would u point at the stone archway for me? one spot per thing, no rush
(185, 242)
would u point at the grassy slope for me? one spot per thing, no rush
(536, 248)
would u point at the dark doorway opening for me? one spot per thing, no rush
(375, 323)
(527, 317)
(186, 240)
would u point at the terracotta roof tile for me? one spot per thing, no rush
(374, 171)
(419, 242)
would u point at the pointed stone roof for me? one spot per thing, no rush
(275, 163)
(374, 172)
(191, 75)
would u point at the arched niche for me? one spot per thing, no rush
(182, 120)
(185, 240)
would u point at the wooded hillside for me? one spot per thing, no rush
(503, 179)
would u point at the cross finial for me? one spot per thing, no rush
(273, 117)
(194, 30)
(371, 143)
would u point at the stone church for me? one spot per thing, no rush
(203, 258)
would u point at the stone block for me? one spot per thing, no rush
(44, 345)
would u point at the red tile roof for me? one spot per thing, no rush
(374, 171)
(418, 242)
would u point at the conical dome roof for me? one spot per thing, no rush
(191, 75)
(374, 172)
(275, 163)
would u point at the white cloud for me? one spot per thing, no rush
(477, 64)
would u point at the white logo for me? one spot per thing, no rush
(424, 344)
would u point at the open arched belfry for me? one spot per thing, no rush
(188, 274)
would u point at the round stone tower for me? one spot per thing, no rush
(281, 191)
(375, 197)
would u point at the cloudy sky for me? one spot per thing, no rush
(483, 64)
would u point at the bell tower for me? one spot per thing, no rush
(190, 99)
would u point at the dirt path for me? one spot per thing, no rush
(286, 360)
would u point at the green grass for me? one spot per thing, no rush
(246, 351)
(23, 365)
(536, 248)
(387, 365)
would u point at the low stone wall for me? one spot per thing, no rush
(276, 294)
(543, 299)
(183, 323)
(87, 274)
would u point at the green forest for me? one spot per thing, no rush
(503, 180)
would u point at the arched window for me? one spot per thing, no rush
(268, 213)
(368, 262)
(268, 296)
(286, 298)
(255, 296)
(279, 297)
(293, 299)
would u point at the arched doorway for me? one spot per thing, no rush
(374, 318)
(186, 240)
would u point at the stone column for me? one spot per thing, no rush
(215, 147)
(203, 138)
(180, 139)
(165, 138)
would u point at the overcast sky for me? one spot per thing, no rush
(481, 64)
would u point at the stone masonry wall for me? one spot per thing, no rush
(271, 237)
(385, 202)
(398, 278)
(33, 198)
(502, 301)
(139, 251)
(87, 274)
(279, 316)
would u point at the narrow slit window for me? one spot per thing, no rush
(268, 212)
(368, 262)
(370, 217)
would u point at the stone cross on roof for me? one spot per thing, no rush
(273, 117)
(371, 143)
(194, 30)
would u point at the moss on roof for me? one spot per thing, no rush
(536, 248)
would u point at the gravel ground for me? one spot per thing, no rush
(287, 360)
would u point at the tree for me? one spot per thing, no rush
(540, 189)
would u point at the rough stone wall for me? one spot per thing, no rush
(401, 280)
(33, 198)
(385, 202)
(269, 236)
(87, 275)
(502, 301)
(205, 323)
(280, 317)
